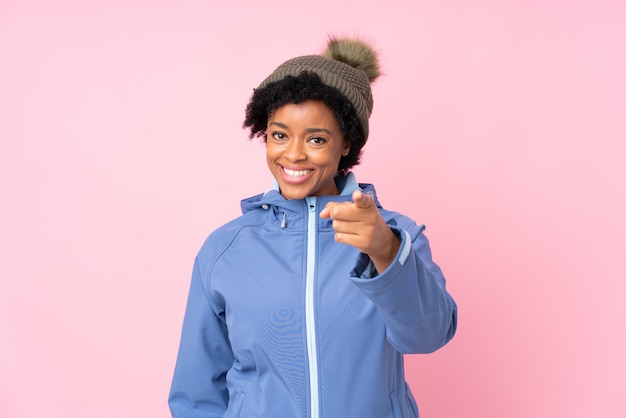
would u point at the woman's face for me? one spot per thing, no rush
(304, 146)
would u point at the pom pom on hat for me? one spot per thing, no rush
(356, 53)
(348, 65)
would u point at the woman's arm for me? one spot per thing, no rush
(199, 384)
(420, 314)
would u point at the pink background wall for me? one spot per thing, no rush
(500, 125)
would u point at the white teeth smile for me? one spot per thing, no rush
(296, 173)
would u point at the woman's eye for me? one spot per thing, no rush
(278, 135)
(317, 140)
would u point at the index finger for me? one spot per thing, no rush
(325, 213)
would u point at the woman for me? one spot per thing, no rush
(305, 304)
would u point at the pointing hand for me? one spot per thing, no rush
(361, 225)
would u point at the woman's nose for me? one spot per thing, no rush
(295, 150)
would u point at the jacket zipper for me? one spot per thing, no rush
(310, 306)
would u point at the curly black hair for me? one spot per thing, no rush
(306, 86)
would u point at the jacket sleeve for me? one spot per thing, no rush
(199, 383)
(419, 313)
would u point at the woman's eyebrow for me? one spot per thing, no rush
(280, 125)
(316, 130)
(308, 130)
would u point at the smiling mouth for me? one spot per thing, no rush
(296, 173)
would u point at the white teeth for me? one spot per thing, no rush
(296, 173)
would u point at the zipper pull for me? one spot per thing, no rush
(310, 201)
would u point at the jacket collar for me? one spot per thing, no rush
(346, 183)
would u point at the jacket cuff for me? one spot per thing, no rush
(364, 267)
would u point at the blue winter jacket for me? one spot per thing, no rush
(284, 322)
